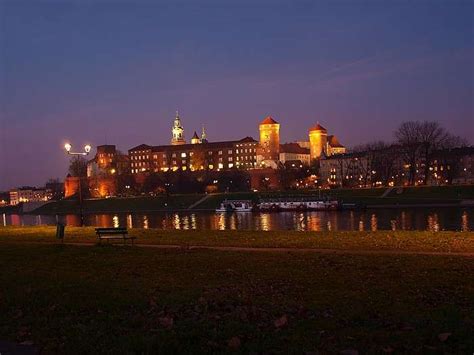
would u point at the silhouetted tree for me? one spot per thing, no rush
(419, 141)
(78, 166)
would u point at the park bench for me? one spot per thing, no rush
(113, 233)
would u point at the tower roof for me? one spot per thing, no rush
(268, 120)
(334, 142)
(195, 136)
(318, 127)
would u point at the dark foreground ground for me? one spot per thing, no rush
(91, 299)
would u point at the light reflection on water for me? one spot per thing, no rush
(435, 219)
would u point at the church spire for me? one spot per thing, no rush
(203, 135)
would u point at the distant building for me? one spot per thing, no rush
(295, 153)
(4, 198)
(386, 167)
(102, 172)
(203, 156)
(29, 194)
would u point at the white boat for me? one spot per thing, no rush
(235, 206)
(295, 204)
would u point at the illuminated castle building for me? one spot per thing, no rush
(200, 154)
(246, 153)
(268, 153)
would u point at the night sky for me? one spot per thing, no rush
(115, 72)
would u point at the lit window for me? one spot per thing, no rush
(231, 165)
(229, 151)
(220, 152)
(183, 155)
(211, 166)
(221, 166)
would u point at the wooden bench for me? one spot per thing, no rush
(113, 233)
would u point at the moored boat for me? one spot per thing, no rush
(235, 206)
(297, 204)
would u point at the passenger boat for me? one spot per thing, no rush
(298, 204)
(235, 206)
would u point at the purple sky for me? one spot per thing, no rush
(115, 72)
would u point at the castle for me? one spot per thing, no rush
(260, 159)
(246, 153)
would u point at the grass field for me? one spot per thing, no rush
(380, 240)
(77, 299)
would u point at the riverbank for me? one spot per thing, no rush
(77, 299)
(437, 196)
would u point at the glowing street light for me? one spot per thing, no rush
(68, 147)
(87, 149)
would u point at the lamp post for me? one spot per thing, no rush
(87, 149)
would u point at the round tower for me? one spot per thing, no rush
(318, 136)
(269, 148)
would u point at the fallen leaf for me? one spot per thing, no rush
(166, 322)
(152, 302)
(349, 352)
(234, 343)
(444, 336)
(281, 322)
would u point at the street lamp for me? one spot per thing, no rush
(68, 147)
(87, 149)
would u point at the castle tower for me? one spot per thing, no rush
(318, 136)
(195, 139)
(269, 148)
(177, 131)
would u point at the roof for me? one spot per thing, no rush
(318, 127)
(334, 142)
(268, 120)
(247, 140)
(294, 148)
(195, 136)
(106, 148)
(204, 145)
(141, 147)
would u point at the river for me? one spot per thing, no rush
(431, 219)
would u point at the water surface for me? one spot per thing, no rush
(432, 219)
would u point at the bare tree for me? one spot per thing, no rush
(419, 141)
(407, 136)
(78, 166)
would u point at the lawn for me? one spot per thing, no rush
(78, 299)
(458, 192)
(380, 240)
